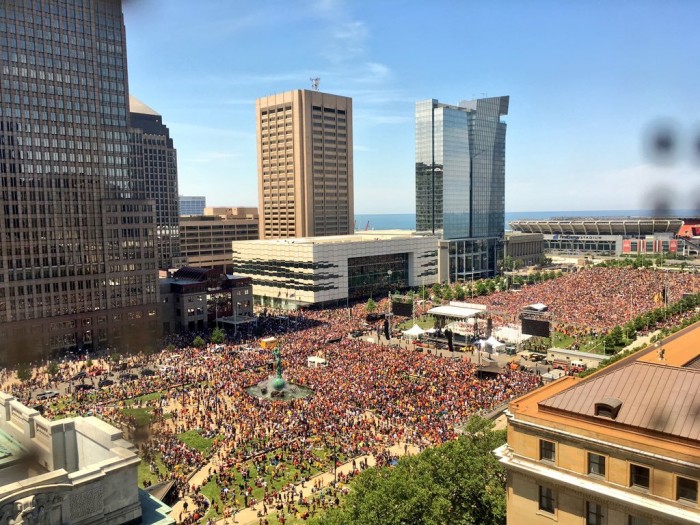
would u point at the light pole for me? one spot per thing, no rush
(389, 273)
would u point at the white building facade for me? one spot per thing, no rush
(289, 273)
(78, 470)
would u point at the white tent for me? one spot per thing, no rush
(495, 344)
(414, 331)
(511, 335)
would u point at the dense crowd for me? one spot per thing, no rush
(593, 301)
(368, 398)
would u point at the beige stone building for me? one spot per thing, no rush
(206, 239)
(621, 447)
(305, 169)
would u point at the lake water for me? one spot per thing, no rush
(407, 221)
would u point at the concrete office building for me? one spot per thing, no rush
(289, 273)
(525, 248)
(154, 162)
(620, 447)
(191, 205)
(206, 239)
(305, 170)
(78, 263)
(460, 183)
(75, 470)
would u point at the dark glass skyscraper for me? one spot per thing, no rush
(77, 234)
(154, 168)
(460, 181)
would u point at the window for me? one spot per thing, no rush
(639, 477)
(547, 450)
(686, 489)
(596, 464)
(636, 520)
(546, 499)
(594, 514)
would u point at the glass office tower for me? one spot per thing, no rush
(460, 182)
(78, 259)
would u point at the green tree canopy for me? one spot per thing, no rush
(217, 336)
(24, 373)
(458, 483)
(52, 369)
(198, 342)
(371, 306)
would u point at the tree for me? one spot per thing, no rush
(217, 336)
(52, 369)
(89, 363)
(198, 342)
(459, 292)
(24, 373)
(447, 294)
(371, 306)
(508, 263)
(460, 482)
(437, 290)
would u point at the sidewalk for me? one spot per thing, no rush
(249, 515)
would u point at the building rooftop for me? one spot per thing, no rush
(650, 397)
(599, 225)
(136, 106)
(659, 400)
(383, 235)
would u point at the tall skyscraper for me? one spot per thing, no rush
(154, 165)
(305, 177)
(78, 264)
(460, 182)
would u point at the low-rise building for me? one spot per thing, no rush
(196, 298)
(75, 470)
(526, 248)
(206, 239)
(288, 273)
(620, 447)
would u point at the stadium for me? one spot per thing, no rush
(614, 236)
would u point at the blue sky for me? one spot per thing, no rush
(589, 83)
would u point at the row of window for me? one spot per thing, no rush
(639, 475)
(594, 512)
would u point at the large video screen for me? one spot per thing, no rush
(536, 327)
(404, 309)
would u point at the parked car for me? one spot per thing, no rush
(147, 372)
(49, 394)
(105, 382)
(83, 386)
(79, 375)
(128, 377)
(119, 367)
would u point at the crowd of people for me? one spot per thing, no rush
(592, 301)
(367, 399)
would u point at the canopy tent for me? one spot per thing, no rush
(455, 312)
(495, 344)
(511, 335)
(414, 331)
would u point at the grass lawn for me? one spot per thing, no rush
(194, 439)
(144, 472)
(142, 416)
(212, 492)
(212, 489)
(424, 321)
(145, 398)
